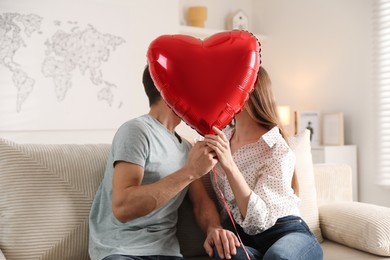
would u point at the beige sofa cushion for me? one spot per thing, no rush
(358, 225)
(333, 182)
(45, 198)
(336, 251)
(300, 144)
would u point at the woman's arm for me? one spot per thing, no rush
(258, 206)
(242, 192)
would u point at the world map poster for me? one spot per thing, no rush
(75, 64)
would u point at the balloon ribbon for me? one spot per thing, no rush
(229, 213)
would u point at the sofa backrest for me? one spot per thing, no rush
(46, 194)
(333, 182)
(47, 191)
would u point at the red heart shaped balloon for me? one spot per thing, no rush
(206, 83)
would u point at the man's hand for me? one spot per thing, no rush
(201, 159)
(224, 240)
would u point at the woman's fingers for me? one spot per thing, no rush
(220, 134)
(217, 141)
(214, 147)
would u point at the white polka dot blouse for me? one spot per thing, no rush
(267, 166)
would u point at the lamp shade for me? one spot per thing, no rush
(284, 115)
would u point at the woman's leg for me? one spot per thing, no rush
(289, 238)
(297, 246)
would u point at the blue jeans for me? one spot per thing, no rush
(289, 238)
(152, 257)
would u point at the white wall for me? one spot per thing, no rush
(38, 121)
(318, 54)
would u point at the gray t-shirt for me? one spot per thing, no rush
(146, 142)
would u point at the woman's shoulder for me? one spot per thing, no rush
(276, 141)
(273, 137)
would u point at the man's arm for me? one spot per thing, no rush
(131, 200)
(209, 221)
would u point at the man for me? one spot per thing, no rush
(148, 172)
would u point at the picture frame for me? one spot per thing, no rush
(309, 120)
(333, 128)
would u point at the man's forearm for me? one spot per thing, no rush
(140, 200)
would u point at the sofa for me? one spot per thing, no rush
(46, 191)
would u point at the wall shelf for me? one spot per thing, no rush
(205, 32)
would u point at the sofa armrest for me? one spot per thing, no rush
(2, 257)
(333, 182)
(359, 225)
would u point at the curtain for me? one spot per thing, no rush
(381, 53)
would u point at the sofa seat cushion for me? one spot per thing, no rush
(45, 198)
(336, 251)
(359, 225)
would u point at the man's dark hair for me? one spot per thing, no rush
(150, 89)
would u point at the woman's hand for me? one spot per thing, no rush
(223, 240)
(221, 146)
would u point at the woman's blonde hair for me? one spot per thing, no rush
(261, 107)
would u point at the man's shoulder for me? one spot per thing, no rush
(135, 126)
(138, 122)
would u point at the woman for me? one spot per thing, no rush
(255, 174)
